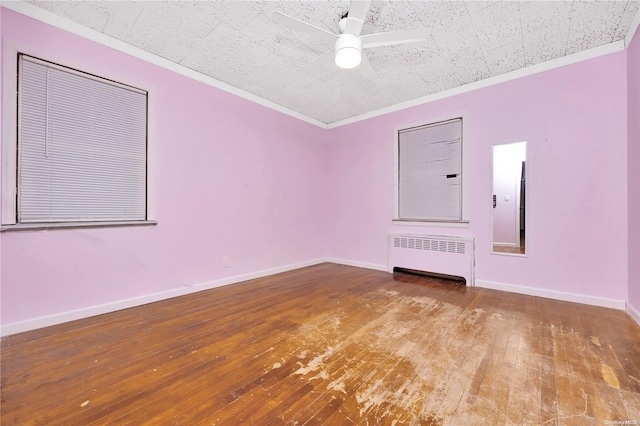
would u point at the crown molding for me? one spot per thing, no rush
(54, 20)
(502, 78)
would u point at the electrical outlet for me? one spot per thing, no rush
(225, 261)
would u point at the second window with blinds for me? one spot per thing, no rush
(429, 168)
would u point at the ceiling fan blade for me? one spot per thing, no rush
(367, 70)
(325, 57)
(394, 37)
(303, 27)
(357, 14)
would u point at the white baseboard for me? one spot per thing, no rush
(357, 264)
(633, 313)
(553, 294)
(40, 322)
(504, 244)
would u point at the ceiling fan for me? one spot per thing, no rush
(348, 45)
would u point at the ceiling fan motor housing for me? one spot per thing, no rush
(348, 49)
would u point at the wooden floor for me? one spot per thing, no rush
(333, 345)
(508, 249)
(511, 249)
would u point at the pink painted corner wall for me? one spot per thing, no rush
(233, 179)
(633, 81)
(574, 121)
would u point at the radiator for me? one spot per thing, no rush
(434, 254)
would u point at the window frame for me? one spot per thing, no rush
(10, 55)
(464, 221)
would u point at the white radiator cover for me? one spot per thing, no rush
(433, 253)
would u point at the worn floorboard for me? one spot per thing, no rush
(333, 345)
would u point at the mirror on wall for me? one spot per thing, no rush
(509, 183)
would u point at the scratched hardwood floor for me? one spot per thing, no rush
(333, 345)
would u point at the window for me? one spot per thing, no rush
(81, 147)
(430, 172)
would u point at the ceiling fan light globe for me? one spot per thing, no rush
(348, 50)
(348, 57)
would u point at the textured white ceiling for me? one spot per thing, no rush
(236, 42)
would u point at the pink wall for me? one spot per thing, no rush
(233, 179)
(574, 120)
(633, 81)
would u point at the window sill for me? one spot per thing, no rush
(72, 225)
(433, 223)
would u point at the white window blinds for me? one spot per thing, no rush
(82, 147)
(429, 172)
